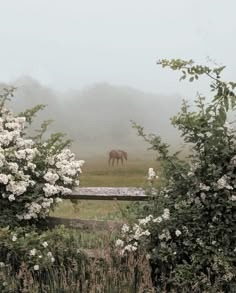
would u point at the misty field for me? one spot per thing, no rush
(97, 172)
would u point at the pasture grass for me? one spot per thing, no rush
(98, 173)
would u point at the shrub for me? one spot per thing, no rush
(194, 248)
(30, 258)
(51, 261)
(34, 172)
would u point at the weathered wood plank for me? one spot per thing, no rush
(109, 193)
(84, 224)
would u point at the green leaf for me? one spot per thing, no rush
(222, 114)
(226, 103)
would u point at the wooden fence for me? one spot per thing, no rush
(99, 193)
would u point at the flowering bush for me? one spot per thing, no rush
(38, 251)
(29, 258)
(135, 237)
(34, 173)
(195, 249)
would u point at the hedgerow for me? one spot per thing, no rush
(189, 233)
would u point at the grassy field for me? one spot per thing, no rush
(97, 172)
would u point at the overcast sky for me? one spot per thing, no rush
(69, 44)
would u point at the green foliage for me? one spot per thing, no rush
(71, 270)
(195, 251)
(26, 251)
(29, 114)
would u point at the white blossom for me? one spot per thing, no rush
(51, 177)
(3, 178)
(145, 220)
(36, 267)
(50, 189)
(166, 214)
(11, 197)
(119, 242)
(13, 167)
(33, 252)
(125, 228)
(204, 187)
(45, 244)
(157, 220)
(222, 183)
(165, 234)
(151, 174)
(178, 233)
(14, 238)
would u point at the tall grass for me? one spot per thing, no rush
(108, 273)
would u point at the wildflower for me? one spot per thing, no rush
(11, 197)
(33, 252)
(45, 244)
(166, 214)
(14, 238)
(146, 233)
(3, 179)
(2, 264)
(165, 234)
(51, 177)
(203, 196)
(129, 248)
(52, 259)
(222, 183)
(204, 187)
(178, 233)
(157, 220)
(145, 220)
(119, 242)
(36, 267)
(125, 228)
(151, 174)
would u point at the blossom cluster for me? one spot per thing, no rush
(33, 175)
(151, 175)
(36, 257)
(133, 236)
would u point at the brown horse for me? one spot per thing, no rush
(117, 155)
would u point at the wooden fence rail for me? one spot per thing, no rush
(99, 193)
(108, 193)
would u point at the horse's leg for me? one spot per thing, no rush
(121, 160)
(113, 162)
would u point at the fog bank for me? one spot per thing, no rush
(98, 117)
